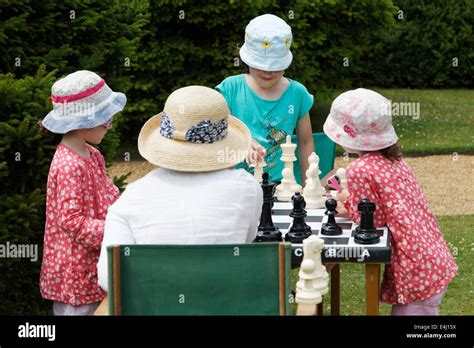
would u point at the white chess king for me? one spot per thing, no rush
(288, 157)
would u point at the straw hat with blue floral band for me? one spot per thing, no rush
(361, 120)
(267, 44)
(194, 133)
(82, 100)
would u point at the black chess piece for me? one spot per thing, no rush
(366, 232)
(331, 228)
(299, 230)
(267, 231)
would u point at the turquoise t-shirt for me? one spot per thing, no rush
(269, 121)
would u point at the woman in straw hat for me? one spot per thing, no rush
(195, 196)
(78, 192)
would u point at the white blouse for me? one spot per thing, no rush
(170, 207)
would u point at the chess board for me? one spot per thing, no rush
(341, 248)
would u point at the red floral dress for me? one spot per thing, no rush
(78, 196)
(422, 264)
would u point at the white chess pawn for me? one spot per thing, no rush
(313, 277)
(314, 193)
(341, 173)
(285, 190)
(258, 171)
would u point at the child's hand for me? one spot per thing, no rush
(342, 196)
(342, 211)
(256, 154)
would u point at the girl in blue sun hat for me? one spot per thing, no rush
(79, 192)
(271, 105)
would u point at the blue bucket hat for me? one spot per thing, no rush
(267, 44)
(82, 100)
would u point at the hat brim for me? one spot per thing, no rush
(61, 124)
(265, 63)
(186, 156)
(366, 142)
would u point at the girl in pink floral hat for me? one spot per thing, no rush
(79, 192)
(422, 265)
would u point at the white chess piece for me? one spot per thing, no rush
(258, 171)
(341, 173)
(285, 190)
(313, 160)
(313, 277)
(313, 191)
(288, 157)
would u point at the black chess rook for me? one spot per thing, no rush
(366, 232)
(331, 228)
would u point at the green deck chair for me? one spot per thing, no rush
(240, 279)
(325, 149)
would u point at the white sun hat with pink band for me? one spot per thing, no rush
(82, 100)
(361, 120)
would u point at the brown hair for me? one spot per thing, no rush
(392, 153)
(47, 133)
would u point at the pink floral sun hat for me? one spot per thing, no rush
(361, 119)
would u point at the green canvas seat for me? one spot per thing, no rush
(241, 279)
(325, 149)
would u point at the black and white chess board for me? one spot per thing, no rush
(341, 248)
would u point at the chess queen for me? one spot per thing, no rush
(422, 265)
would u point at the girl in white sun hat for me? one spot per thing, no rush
(78, 192)
(422, 265)
(271, 105)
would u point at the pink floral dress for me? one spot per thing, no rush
(78, 196)
(422, 264)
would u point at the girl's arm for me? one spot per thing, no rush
(305, 144)
(361, 185)
(82, 229)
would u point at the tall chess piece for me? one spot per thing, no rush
(288, 157)
(331, 228)
(366, 232)
(313, 277)
(313, 191)
(267, 231)
(299, 230)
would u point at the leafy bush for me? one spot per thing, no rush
(420, 51)
(25, 157)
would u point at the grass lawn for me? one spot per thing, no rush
(445, 123)
(459, 299)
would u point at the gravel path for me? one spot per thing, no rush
(447, 181)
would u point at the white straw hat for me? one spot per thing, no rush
(194, 133)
